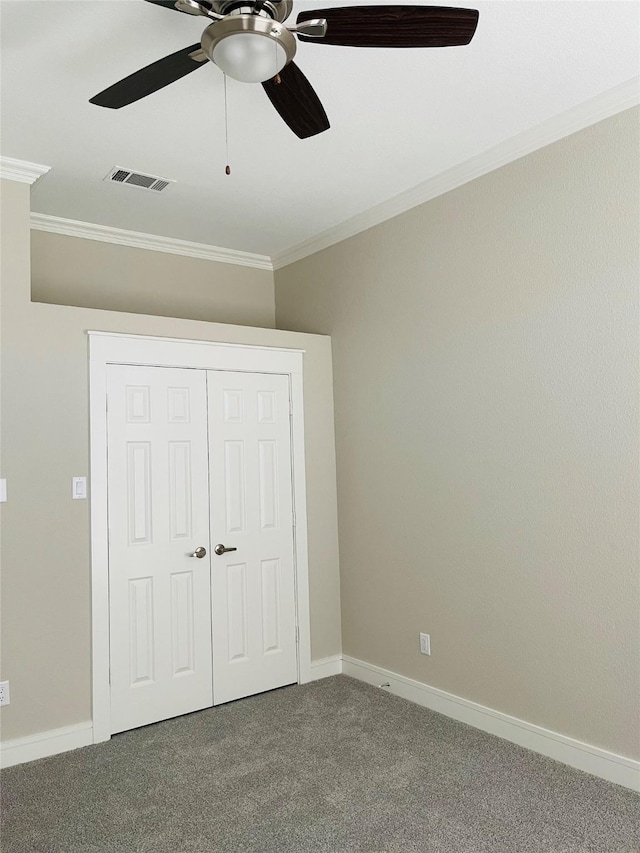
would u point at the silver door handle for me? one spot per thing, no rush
(220, 550)
(199, 552)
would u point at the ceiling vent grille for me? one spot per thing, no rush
(137, 179)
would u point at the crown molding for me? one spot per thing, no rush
(21, 170)
(139, 240)
(596, 109)
(600, 107)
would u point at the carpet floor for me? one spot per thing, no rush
(335, 766)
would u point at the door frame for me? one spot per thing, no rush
(113, 348)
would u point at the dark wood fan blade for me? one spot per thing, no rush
(168, 4)
(296, 101)
(148, 80)
(171, 4)
(394, 26)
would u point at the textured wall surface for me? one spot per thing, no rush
(91, 274)
(46, 650)
(485, 353)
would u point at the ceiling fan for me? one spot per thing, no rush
(248, 41)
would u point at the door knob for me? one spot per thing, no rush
(200, 552)
(220, 550)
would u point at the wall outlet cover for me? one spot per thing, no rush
(425, 644)
(4, 693)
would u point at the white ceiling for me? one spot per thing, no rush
(398, 117)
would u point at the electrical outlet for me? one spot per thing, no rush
(4, 692)
(425, 644)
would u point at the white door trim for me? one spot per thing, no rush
(106, 348)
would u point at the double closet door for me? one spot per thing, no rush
(202, 601)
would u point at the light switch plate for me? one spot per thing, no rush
(3, 491)
(79, 488)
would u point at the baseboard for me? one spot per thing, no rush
(583, 756)
(325, 667)
(52, 742)
(43, 744)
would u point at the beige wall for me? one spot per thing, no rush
(485, 355)
(91, 274)
(45, 535)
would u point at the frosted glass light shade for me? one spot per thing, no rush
(249, 57)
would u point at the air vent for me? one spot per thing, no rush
(137, 179)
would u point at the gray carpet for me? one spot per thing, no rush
(332, 766)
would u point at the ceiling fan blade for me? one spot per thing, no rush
(394, 26)
(168, 4)
(296, 101)
(149, 79)
(171, 4)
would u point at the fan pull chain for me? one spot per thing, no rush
(227, 169)
(276, 79)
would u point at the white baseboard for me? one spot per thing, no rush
(52, 742)
(325, 667)
(583, 756)
(43, 744)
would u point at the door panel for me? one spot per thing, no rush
(159, 595)
(253, 587)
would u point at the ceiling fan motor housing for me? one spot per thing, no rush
(278, 10)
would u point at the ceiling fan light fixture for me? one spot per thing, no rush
(249, 48)
(249, 57)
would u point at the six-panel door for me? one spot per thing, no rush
(185, 474)
(160, 617)
(253, 587)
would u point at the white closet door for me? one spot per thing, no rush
(252, 587)
(159, 595)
